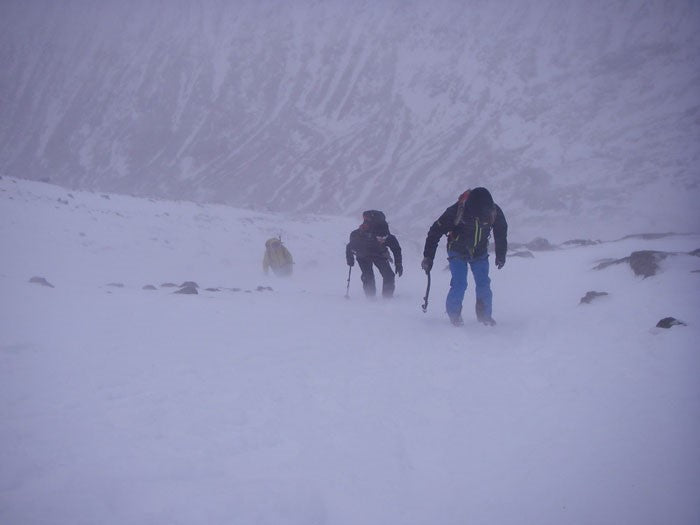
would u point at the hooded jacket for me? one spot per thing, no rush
(468, 224)
(373, 240)
(277, 257)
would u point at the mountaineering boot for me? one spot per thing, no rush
(457, 320)
(481, 314)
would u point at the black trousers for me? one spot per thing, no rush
(367, 267)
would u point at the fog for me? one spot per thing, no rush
(277, 401)
(581, 117)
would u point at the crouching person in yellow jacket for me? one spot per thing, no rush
(278, 258)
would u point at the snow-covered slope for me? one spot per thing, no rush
(572, 112)
(296, 406)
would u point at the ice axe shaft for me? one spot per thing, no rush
(347, 290)
(424, 306)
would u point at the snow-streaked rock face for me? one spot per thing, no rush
(585, 114)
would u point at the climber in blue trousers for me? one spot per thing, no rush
(468, 224)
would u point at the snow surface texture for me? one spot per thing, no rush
(297, 406)
(578, 114)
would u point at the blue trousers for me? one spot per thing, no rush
(458, 285)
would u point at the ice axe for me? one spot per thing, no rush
(424, 306)
(347, 290)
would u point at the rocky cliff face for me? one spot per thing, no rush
(585, 113)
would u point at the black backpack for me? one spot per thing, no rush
(373, 216)
(376, 221)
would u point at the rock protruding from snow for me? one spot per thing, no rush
(586, 299)
(525, 254)
(644, 262)
(42, 281)
(648, 236)
(668, 322)
(540, 244)
(581, 242)
(188, 289)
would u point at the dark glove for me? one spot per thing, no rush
(500, 263)
(399, 269)
(427, 264)
(351, 260)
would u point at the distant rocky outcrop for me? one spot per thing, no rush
(648, 236)
(188, 289)
(524, 253)
(540, 244)
(581, 242)
(644, 263)
(586, 299)
(42, 281)
(668, 322)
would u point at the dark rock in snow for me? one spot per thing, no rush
(668, 322)
(604, 263)
(696, 253)
(263, 288)
(116, 285)
(540, 244)
(586, 299)
(648, 236)
(149, 287)
(646, 262)
(189, 283)
(189, 290)
(168, 285)
(235, 289)
(581, 242)
(41, 281)
(213, 289)
(525, 254)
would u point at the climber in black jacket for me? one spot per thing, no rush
(468, 224)
(370, 244)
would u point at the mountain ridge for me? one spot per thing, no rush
(583, 115)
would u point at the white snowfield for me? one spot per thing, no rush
(121, 405)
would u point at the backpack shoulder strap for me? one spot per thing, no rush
(460, 206)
